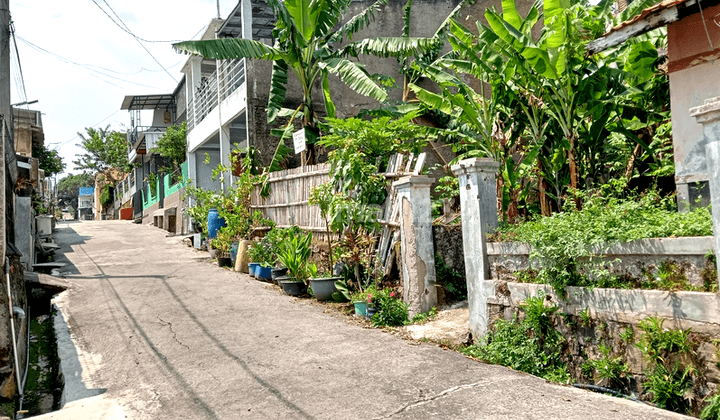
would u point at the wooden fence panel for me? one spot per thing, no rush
(287, 203)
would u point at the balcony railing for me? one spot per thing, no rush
(231, 77)
(136, 135)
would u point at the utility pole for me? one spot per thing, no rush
(6, 113)
(5, 61)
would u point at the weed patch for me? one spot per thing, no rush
(567, 246)
(532, 345)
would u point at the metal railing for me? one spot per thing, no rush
(205, 98)
(176, 177)
(135, 132)
(231, 76)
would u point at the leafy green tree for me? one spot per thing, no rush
(104, 149)
(554, 114)
(173, 145)
(307, 33)
(50, 160)
(68, 188)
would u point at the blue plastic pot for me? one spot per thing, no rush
(360, 308)
(214, 223)
(263, 273)
(252, 267)
(233, 252)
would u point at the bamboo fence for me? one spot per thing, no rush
(287, 203)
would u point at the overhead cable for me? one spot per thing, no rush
(87, 66)
(126, 29)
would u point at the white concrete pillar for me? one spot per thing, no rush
(246, 16)
(478, 201)
(709, 116)
(416, 243)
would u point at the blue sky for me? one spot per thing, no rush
(110, 63)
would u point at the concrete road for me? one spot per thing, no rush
(160, 333)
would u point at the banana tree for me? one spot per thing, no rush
(306, 34)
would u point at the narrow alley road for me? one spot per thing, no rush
(163, 334)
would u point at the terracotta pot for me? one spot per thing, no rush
(242, 259)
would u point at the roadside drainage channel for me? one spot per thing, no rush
(44, 383)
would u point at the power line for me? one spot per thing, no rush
(94, 125)
(126, 29)
(86, 66)
(19, 66)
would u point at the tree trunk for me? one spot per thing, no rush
(573, 170)
(631, 162)
(544, 205)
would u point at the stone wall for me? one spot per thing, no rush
(448, 242)
(612, 311)
(174, 206)
(148, 218)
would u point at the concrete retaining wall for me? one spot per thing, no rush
(611, 312)
(635, 258)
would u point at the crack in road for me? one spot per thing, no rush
(174, 334)
(426, 400)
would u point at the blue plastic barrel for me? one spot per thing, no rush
(214, 223)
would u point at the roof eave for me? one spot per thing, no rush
(652, 21)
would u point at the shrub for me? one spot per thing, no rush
(667, 381)
(606, 368)
(391, 311)
(566, 245)
(532, 345)
(712, 410)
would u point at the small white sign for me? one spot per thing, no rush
(299, 141)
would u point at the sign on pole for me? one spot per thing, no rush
(299, 141)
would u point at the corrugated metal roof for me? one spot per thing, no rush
(158, 101)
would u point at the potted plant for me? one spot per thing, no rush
(262, 252)
(222, 243)
(294, 253)
(323, 285)
(361, 299)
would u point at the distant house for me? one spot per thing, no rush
(153, 194)
(693, 33)
(86, 198)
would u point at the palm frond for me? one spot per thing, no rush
(329, 105)
(395, 111)
(278, 88)
(406, 18)
(329, 15)
(304, 16)
(391, 46)
(228, 48)
(443, 26)
(353, 75)
(358, 22)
